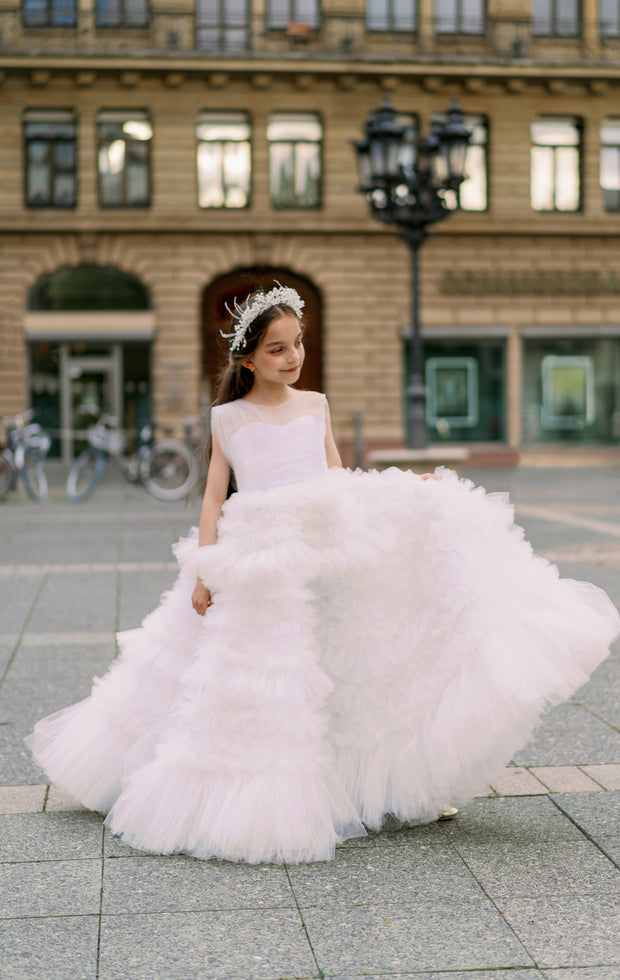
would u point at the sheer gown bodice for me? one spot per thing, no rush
(273, 445)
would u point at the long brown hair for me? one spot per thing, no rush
(235, 381)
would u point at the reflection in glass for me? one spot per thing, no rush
(295, 159)
(223, 159)
(122, 13)
(556, 18)
(610, 18)
(391, 15)
(222, 25)
(459, 16)
(284, 12)
(50, 137)
(49, 13)
(610, 164)
(555, 180)
(124, 158)
(567, 392)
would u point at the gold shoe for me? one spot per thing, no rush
(447, 812)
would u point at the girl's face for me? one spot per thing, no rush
(279, 357)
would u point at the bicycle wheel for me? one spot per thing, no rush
(166, 471)
(8, 474)
(85, 474)
(32, 471)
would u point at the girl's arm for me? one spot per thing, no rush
(333, 456)
(210, 513)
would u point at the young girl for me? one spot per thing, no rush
(360, 644)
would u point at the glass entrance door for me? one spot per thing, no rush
(91, 385)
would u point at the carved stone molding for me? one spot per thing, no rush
(304, 82)
(515, 86)
(88, 246)
(217, 79)
(262, 248)
(85, 79)
(599, 86)
(347, 82)
(557, 86)
(431, 83)
(130, 79)
(261, 80)
(40, 78)
(174, 79)
(532, 282)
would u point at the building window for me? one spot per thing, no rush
(284, 12)
(472, 195)
(391, 15)
(459, 16)
(49, 13)
(124, 143)
(223, 159)
(50, 158)
(609, 13)
(295, 159)
(556, 18)
(610, 164)
(555, 178)
(222, 25)
(122, 13)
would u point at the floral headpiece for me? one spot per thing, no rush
(246, 314)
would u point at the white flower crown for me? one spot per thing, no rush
(245, 315)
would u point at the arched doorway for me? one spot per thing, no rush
(89, 330)
(240, 284)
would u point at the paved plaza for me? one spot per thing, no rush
(523, 885)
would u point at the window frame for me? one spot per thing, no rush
(292, 18)
(319, 118)
(552, 31)
(222, 26)
(122, 24)
(48, 21)
(480, 119)
(612, 33)
(26, 140)
(225, 112)
(609, 121)
(391, 28)
(136, 114)
(459, 30)
(578, 122)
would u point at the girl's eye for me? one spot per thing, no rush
(299, 343)
(277, 350)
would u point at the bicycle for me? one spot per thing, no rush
(24, 455)
(165, 469)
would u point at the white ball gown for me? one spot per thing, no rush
(377, 644)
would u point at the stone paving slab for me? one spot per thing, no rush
(521, 820)
(50, 836)
(607, 776)
(516, 781)
(22, 799)
(527, 974)
(395, 939)
(595, 814)
(400, 875)
(183, 884)
(50, 888)
(566, 930)
(41, 949)
(228, 945)
(89, 603)
(586, 973)
(566, 779)
(571, 735)
(562, 868)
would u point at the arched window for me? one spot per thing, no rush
(88, 287)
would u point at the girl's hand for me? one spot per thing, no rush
(430, 476)
(201, 598)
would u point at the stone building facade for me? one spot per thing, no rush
(156, 160)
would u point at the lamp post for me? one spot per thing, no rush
(405, 179)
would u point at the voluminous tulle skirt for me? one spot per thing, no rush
(376, 644)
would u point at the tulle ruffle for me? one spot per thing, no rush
(376, 644)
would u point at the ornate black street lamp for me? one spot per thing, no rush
(405, 179)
